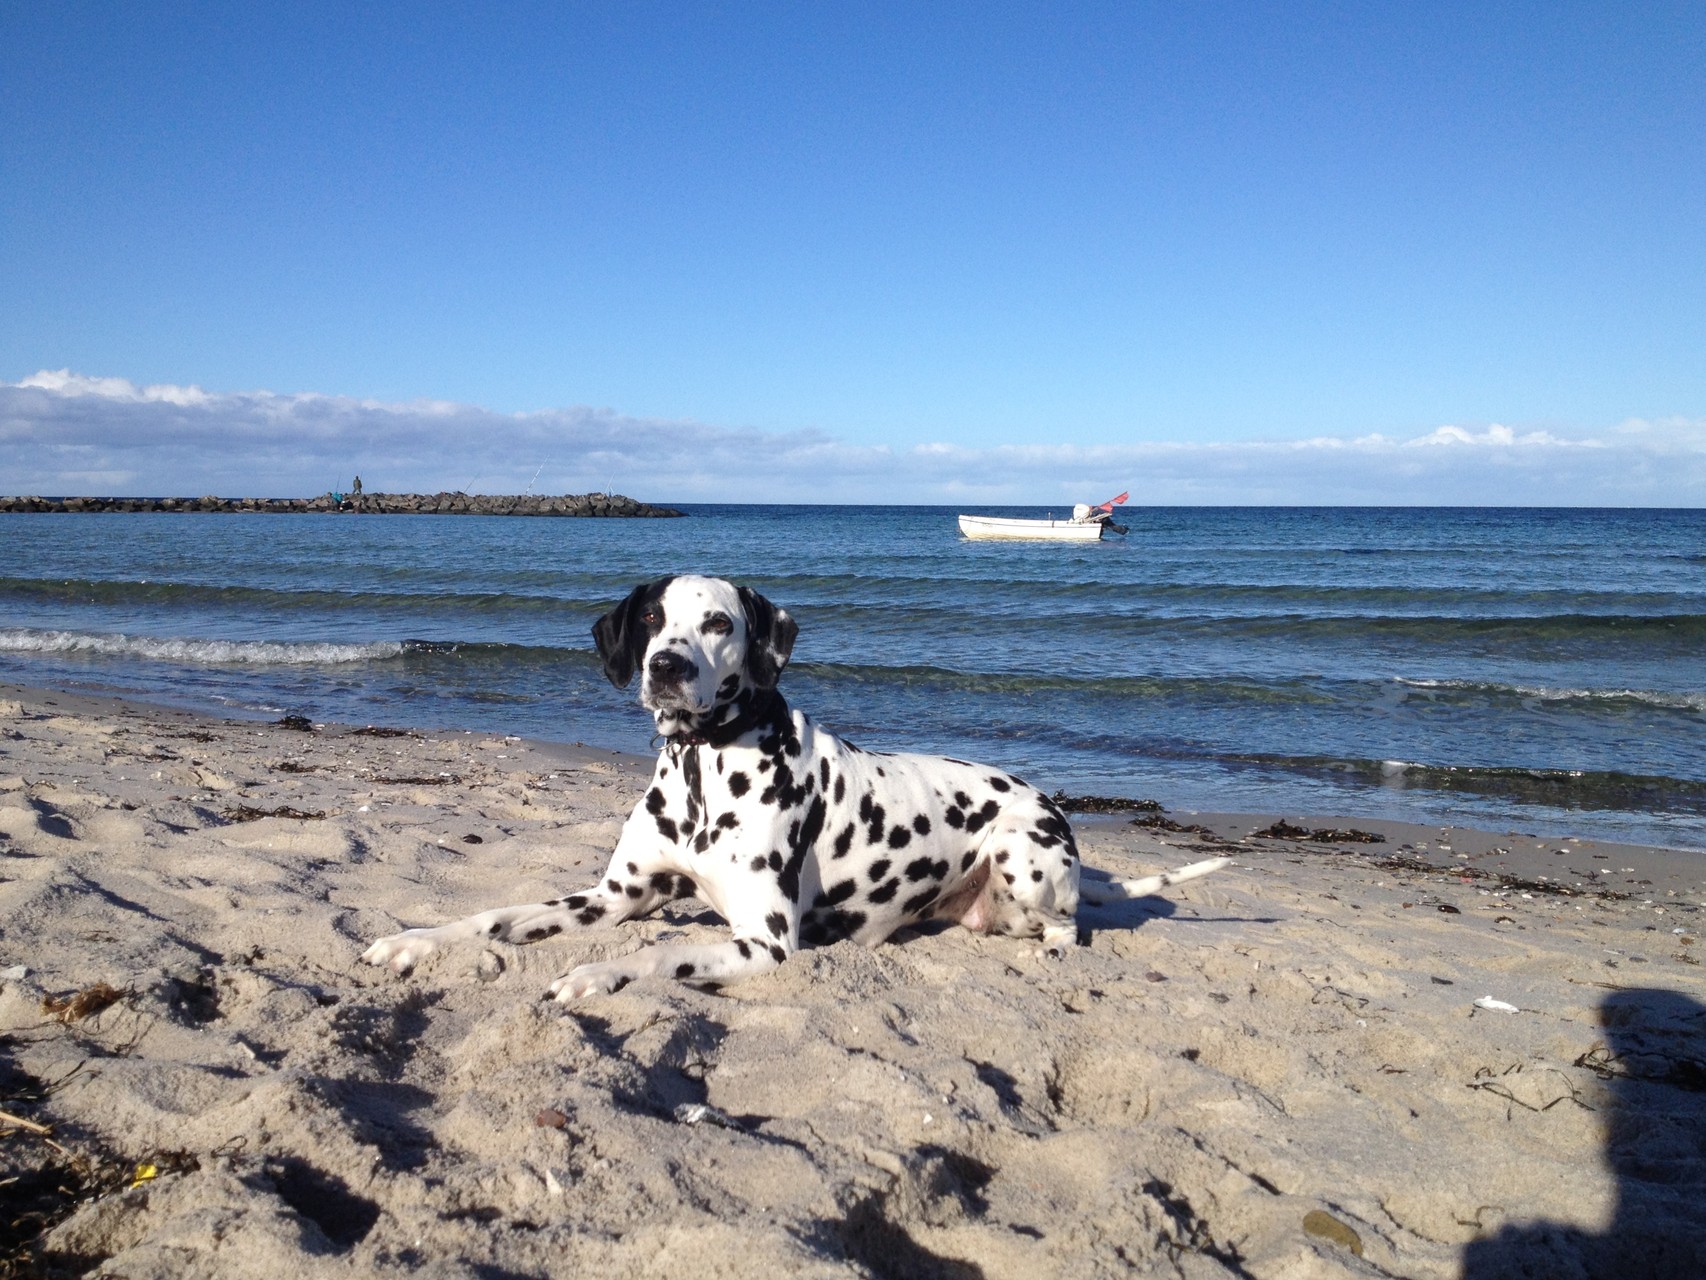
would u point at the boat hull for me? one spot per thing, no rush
(1004, 528)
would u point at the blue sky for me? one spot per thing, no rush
(973, 232)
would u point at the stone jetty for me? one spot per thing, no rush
(388, 504)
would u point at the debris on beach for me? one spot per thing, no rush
(1488, 1002)
(249, 813)
(1283, 830)
(1324, 1226)
(85, 1003)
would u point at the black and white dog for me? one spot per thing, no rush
(795, 836)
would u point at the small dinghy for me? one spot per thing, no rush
(1088, 524)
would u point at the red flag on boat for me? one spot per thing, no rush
(1111, 503)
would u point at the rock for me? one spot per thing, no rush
(568, 504)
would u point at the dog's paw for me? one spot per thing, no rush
(401, 951)
(591, 980)
(1057, 942)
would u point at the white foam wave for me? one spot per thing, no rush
(1545, 693)
(205, 652)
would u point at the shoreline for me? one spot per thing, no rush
(1331, 1058)
(1511, 852)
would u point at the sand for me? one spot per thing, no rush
(1278, 1071)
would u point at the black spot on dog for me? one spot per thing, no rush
(955, 817)
(685, 970)
(533, 935)
(684, 887)
(654, 801)
(575, 902)
(634, 891)
(918, 868)
(777, 954)
(775, 860)
(877, 821)
(760, 862)
(663, 882)
(1037, 876)
(777, 923)
(879, 869)
(701, 842)
(965, 862)
(615, 886)
(592, 914)
(899, 837)
(1000, 784)
(739, 784)
(921, 825)
(728, 688)
(495, 928)
(962, 799)
(823, 772)
(728, 821)
(633, 868)
(1047, 842)
(844, 841)
(802, 838)
(837, 893)
(742, 947)
(1007, 876)
(1002, 856)
(978, 820)
(840, 787)
(919, 901)
(886, 891)
(666, 829)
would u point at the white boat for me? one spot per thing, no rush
(1087, 525)
(1052, 530)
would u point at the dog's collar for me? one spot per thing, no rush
(765, 708)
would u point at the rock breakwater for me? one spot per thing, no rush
(392, 504)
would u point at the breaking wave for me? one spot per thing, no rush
(198, 651)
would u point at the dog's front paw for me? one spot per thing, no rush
(402, 951)
(591, 980)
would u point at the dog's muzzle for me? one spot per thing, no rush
(668, 675)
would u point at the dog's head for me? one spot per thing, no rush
(699, 644)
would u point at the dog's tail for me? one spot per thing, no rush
(1097, 886)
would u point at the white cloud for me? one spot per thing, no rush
(63, 432)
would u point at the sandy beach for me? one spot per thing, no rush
(1442, 1053)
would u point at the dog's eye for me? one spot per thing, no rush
(650, 617)
(717, 624)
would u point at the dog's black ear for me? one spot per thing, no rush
(621, 637)
(770, 636)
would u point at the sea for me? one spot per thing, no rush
(1534, 670)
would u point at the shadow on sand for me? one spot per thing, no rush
(1654, 1059)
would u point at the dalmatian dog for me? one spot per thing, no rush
(795, 836)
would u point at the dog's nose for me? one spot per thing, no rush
(669, 667)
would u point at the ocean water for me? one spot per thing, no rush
(1532, 670)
